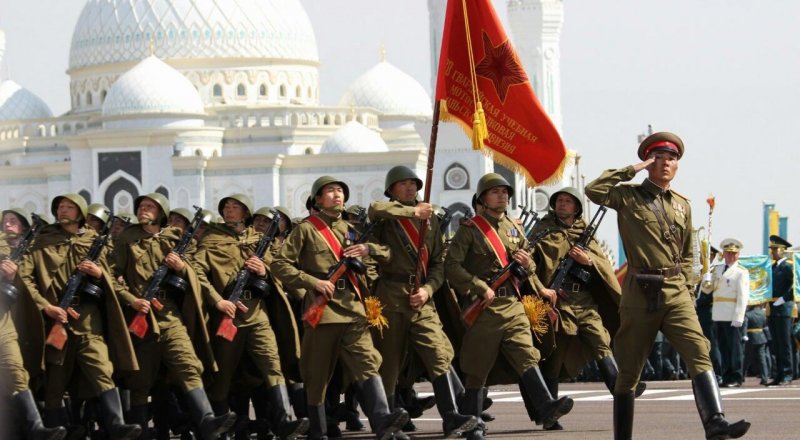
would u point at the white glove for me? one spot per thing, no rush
(736, 324)
(779, 302)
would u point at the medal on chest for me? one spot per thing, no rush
(513, 236)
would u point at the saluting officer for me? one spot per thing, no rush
(480, 249)
(730, 286)
(16, 222)
(780, 310)
(225, 250)
(413, 321)
(176, 336)
(655, 224)
(59, 250)
(303, 261)
(586, 308)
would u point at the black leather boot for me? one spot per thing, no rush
(546, 408)
(623, 416)
(473, 404)
(318, 423)
(113, 421)
(138, 414)
(552, 386)
(32, 421)
(609, 371)
(401, 433)
(453, 423)
(282, 426)
(351, 416)
(54, 418)
(458, 391)
(209, 426)
(297, 397)
(709, 405)
(374, 403)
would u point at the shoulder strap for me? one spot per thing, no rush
(333, 244)
(490, 235)
(670, 234)
(408, 233)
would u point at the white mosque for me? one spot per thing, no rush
(198, 99)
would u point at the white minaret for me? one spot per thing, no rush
(536, 34)
(2, 45)
(436, 10)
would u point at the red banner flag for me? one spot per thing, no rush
(482, 86)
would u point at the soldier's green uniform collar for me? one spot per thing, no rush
(495, 222)
(328, 219)
(652, 188)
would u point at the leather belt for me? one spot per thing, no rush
(572, 287)
(666, 272)
(76, 301)
(399, 278)
(161, 294)
(723, 299)
(246, 295)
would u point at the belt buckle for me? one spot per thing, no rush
(576, 287)
(502, 291)
(246, 295)
(412, 279)
(340, 284)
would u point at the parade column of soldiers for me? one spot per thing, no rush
(283, 359)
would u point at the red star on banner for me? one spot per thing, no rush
(500, 66)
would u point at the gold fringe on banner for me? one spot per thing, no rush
(375, 317)
(536, 309)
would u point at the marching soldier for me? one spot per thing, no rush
(480, 249)
(730, 286)
(176, 335)
(16, 222)
(226, 249)
(586, 309)
(780, 310)
(655, 225)
(180, 218)
(413, 321)
(340, 332)
(60, 250)
(97, 216)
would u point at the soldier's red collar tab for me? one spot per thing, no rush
(662, 146)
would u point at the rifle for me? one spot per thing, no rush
(314, 313)
(567, 264)
(9, 291)
(529, 219)
(473, 311)
(139, 323)
(227, 329)
(79, 283)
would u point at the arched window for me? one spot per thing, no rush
(86, 196)
(456, 177)
(240, 90)
(282, 91)
(88, 98)
(298, 92)
(163, 191)
(217, 91)
(262, 90)
(103, 96)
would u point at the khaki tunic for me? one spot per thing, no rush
(221, 256)
(11, 362)
(342, 333)
(503, 327)
(586, 314)
(420, 330)
(177, 336)
(45, 272)
(647, 249)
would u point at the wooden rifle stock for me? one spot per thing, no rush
(57, 337)
(314, 313)
(473, 311)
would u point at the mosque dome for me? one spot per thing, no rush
(152, 87)
(354, 138)
(19, 103)
(388, 89)
(119, 31)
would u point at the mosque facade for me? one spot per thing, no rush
(199, 99)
